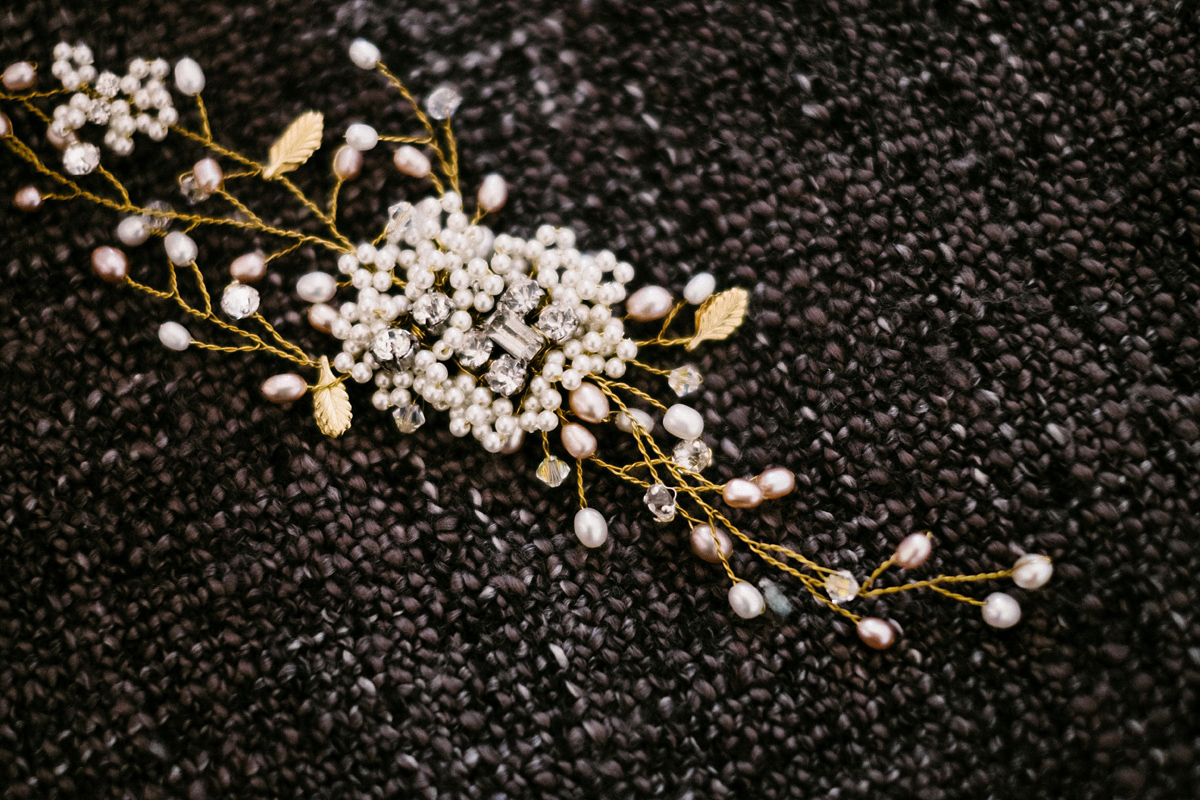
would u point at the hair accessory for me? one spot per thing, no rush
(498, 337)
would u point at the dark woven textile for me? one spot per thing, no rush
(969, 231)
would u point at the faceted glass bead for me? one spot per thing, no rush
(431, 309)
(685, 380)
(399, 218)
(506, 375)
(81, 158)
(694, 456)
(842, 587)
(442, 102)
(155, 222)
(520, 340)
(475, 350)
(553, 471)
(660, 500)
(557, 321)
(409, 418)
(239, 300)
(522, 296)
(392, 347)
(191, 192)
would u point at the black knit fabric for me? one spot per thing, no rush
(969, 233)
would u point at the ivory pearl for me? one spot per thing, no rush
(684, 422)
(181, 249)
(625, 420)
(207, 174)
(776, 482)
(1000, 610)
(174, 336)
(189, 78)
(133, 231)
(493, 193)
(876, 633)
(578, 440)
(514, 442)
(649, 303)
(248, 267)
(412, 161)
(110, 264)
(19, 76)
(913, 550)
(284, 388)
(746, 600)
(740, 493)
(361, 136)
(316, 287)
(28, 199)
(589, 403)
(322, 317)
(1032, 571)
(591, 527)
(710, 544)
(347, 163)
(364, 54)
(6, 128)
(699, 288)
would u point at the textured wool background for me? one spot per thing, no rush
(969, 230)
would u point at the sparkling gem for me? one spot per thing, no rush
(153, 221)
(392, 346)
(842, 587)
(432, 309)
(399, 218)
(442, 102)
(409, 418)
(694, 456)
(475, 350)
(553, 471)
(81, 158)
(557, 321)
(239, 300)
(522, 296)
(506, 375)
(191, 192)
(508, 331)
(685, 380)
(660, 500)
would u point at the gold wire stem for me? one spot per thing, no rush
(333, 198)
(423, 118)
(962, 598)
(277, 337)
(283, 252)
(579, 482)
(664, 342)
(633, 390)
(205, 128)
(239, 205)
(882, 568)
(452, 146)
(422, 140)
(936, 583)
(18, 98)
(120, 187)
(666, 373)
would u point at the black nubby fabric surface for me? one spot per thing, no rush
(969, 231)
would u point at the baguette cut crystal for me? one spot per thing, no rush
(517, 338)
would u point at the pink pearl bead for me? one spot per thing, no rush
(110, 264)
(347, 163)
(740, 493)
(322, 316)
(208, 175)
(876, 633)
(249, 267)
(649, 303)
(19, 76)
(284, 388)
(5, 126)
(709, 545)
(28, 199)
(776, 482)
(913, 550)
(411, 161)
(578, 440)
(589, 403)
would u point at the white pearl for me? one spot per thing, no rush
(174, 336)
(493, 193)
(361, 136)
(189, 78)
(316, 287)
(590, 527)
(571, 380)
(411, 161)
(578, 440)
(699, 288)
(1000, 610)
(180, 248)
(625, 420)
(740, 493)
(364, 54)
(649, 303)
(614, 368)
(1032, 571)
(589, 403)
(746, 600)
(684, 422)
(133, 231)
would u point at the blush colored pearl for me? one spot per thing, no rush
(347, 163)
(19, 76)
(1032, 571)
(493, 193)
(590, 527)
(913, 550)
(514, 442)
(746, 600)
(316, 287)
(174, 336)
(180, 248)
(589, 403)
(208, 175)
(776, 482)
(876, 633)
(322, 317)
(649, 303)
(578, 440)
(248, 267)
(110, 264)
(284, 388)
(133, 231)
(699, 288)
(740, 493)
(28, 199)
(361, 136)
(1000, 610)
(412, 161)
(684, 422)
(364, 54)
(189, 78)
(5, 126)
(710, 544)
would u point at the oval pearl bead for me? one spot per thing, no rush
(710, 544)
(589, 403)
(6, 128)
(913, 550)
(699, 288)
(248, 267)
(412, 161)
(364, 54)
(19, 76)
(776, 482)
(625, 421)
(284, 388)
(133, 231)
(208, 175)
(316, 287)
(180, 248)
(174, 336)
(684, 422)
(322, 317)
(110, 264)
(361, 136)
(740, 493)
(1000, 610)
(189, 78)
(1032, 571)
(649, 303)
(493, 193)
(876, 633)
(590, 527)
(514, 442)
(746, 600)
(28, 199)
(578, 440)
(347, 163)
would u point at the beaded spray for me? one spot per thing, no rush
(447, 315)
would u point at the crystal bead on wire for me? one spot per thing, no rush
(841, 586)
(442, 102)
(660, 500)
(409, 418)
(685, 380)
(694, 455)
(553, 471)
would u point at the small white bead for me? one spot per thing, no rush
(361, 137)
(316, 287)
(133, 231)
(571, 380)
(493, 193)
(746, 600)
(547, 420)
(684, 422)
(1000, 610)
(180, 248)
(1032, 571)
(364, 54)
(189, 78)
(360, 373)
(174, 336)
(699, 288)
(591, 527)
(382, 281)
(614, 368)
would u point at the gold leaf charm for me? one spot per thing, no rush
(296, 145)
(720, 316)
(331, 403)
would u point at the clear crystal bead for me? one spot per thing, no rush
(81, 158)
(842, 587)
(475, 350)
(239, 300)
(517, 338)
(431, 309)
(155, 222)
(399, 218)
(392, 346)
(191, 192)
(685, 380)
(409, 418)
(776, 600)
(558, 322)
(694, 456)
(553, 471)
(522, 296)
(660, 500)
(442, 102)
(506, 375)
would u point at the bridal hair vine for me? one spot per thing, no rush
(489, 330)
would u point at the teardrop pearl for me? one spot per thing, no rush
(322, 317)
(746, 600)
(649, 303)
(913, 550)
(876, 633)
(776, 482)
(589, 403)
(411, 161)
(699, 288)
(248, 267)
(625, 420)
(578, 440)
(591, 527)
(19, 76)
(208, 175)
(110, 264)
(493, 193)
(174, 336)
(710, 544)
(514, 442)
(284, 388)
(180, 247)
(28, 199)
(740, 493)
(189, 78)
(347, 163)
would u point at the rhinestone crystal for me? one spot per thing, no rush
(660, 500)
(553, 471)
(239, 300)
(409, 418)
(557, 321)
(694, 456)
(399, 218)
(506, 375)
(517, 338)
(842, 587)
(392, 347)
(81, 158)
(475, 349)
(431, 309)
(442, 102)
(685, 380)
(522, 296)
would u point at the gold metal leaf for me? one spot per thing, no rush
(296, 145)
(720, 316)
(331, 403)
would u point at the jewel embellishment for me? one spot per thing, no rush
(553, 471)
(842, 586)
(507, 375)
(660, 500)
